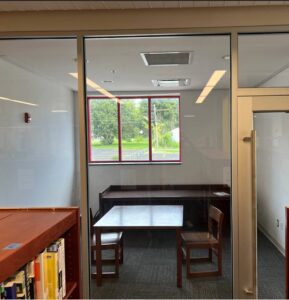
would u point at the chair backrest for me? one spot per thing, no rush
(93, 219)
(215, 221)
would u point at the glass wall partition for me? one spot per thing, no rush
(159, 134)
(39, 132)
(263, 60)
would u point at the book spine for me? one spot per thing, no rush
(26, 282)
(37, 278)
(51, 273)
(21, 285)
(10, 291)
(62, 267)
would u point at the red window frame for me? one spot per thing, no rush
(120, 160)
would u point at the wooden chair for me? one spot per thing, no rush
(211, 240)
(109, 241)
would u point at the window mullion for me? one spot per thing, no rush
(150, 129)
(119, 130)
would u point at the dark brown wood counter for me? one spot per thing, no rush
(194, 198)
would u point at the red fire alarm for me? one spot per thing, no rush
(27, 117)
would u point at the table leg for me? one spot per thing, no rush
(179, 258)
(98, 257)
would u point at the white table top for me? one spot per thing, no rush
(142, 216)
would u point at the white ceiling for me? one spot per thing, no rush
(54, 59)
(123, 56)
(89, 5)
(261, 57)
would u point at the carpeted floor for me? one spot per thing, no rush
(149, 271)
(271, 270)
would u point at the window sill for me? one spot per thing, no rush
(135, 163)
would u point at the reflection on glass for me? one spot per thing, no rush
(39, 157)
(165, 129)
(153, 132)
(134, 129)
(103, 126)
(263, 60)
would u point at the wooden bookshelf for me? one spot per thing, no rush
(34, 229)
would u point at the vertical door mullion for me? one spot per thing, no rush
(83, 155)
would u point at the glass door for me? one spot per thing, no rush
(262, 155)
(159, 124)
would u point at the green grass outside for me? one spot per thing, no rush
(136, 145)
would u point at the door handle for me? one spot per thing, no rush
(248, 291)
(252, 140)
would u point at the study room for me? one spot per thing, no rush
(158, 148)
(159, 141)
(147, 121)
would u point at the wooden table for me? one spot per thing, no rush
(141, 217)
(195, 198)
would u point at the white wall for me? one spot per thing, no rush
(37, 160)
(272, 173)
(205, 151)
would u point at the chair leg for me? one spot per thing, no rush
(121, 252)
(116, 256)
(188, 261)
(183, 255)
(92, 256)
(219, 260)
(210, 255)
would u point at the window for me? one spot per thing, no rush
(134, 129)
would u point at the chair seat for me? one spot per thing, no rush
(108, 238)
(204, 238)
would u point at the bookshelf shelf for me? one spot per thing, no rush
(25, 232)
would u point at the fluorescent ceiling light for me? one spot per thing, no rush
(214, 79)
(18, 101)
(97, 87)
(200, 99)
(171, 82)
(59, 111)
(206, 91)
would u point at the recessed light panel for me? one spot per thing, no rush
(171, 82)
(174, 58)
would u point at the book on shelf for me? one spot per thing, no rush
(61, 268)
(42, 278)
(9, 290)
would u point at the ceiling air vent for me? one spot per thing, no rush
(174, 58)
(171, 82)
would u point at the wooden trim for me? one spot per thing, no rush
(211, 19)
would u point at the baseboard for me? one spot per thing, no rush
(272, 240)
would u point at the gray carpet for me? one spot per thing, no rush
(149, 271)
(271, 270)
